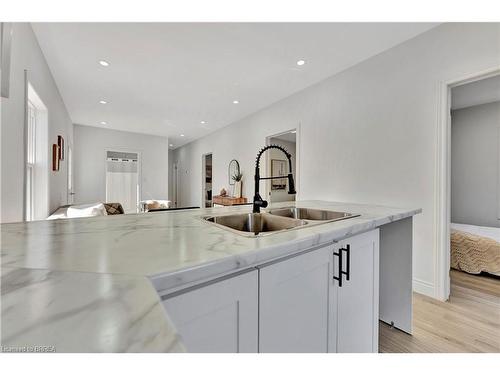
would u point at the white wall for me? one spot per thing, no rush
(475, 165)
(26, 54)
(367, 134)
(90, 148)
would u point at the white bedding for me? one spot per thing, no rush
(83, 210)
(86, 210)
(490, 232)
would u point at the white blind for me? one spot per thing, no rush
(122, 180)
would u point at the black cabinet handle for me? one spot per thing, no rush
(347, 273)
(339, 277)
(341, 272)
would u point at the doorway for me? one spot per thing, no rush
(277, 165)
(206, 183)
(443, 180)
(474, 182)
(123, 181)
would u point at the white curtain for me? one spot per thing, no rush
(122, 183)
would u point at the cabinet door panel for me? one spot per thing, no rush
(293, 304)
(357, 305)
(218, 318)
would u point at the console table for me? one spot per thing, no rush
(228, 201)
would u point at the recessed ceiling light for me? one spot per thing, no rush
(300, 62)
(203, 122)
(235, 101)
(182, 135)
(293, 131)
(171, 145)
(103, 62)
(103, 122)
(103, 102)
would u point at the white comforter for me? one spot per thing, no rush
(490, 232)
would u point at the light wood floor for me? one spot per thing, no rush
(468, 322)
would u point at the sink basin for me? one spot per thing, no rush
(276, 220)
(254, 224)
(311, 214)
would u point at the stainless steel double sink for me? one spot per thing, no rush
(276, 220)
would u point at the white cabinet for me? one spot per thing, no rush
(293, 303)
(304, 307)
(322, 300)
(355, 302)
(219, 317)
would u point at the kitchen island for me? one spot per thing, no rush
(125, 283)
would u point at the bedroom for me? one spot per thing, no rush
(475, 183)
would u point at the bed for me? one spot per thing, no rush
(475, 249)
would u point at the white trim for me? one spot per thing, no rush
(31, 160)
(25, 144)
(203, 178)
(175, 184)
(423, 287)
(69, 176)
(498, 172)
(443, 185)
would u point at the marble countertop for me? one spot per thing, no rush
(91, 284)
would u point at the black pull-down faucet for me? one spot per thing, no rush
(258, 202)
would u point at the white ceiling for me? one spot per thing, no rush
(476, 93)
(165, 78)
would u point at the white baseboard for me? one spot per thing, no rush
(424, 287)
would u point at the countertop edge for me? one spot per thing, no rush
(167, 282)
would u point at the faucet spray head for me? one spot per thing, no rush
(291, 184)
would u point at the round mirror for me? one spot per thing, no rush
(234, 168)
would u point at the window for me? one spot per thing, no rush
(36, 158)
(30, 161)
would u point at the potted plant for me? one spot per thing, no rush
(237, 184)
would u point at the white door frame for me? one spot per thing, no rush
(443, 181)
(70, 178)
(175, 184)
(203, 177)
(296, 173)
